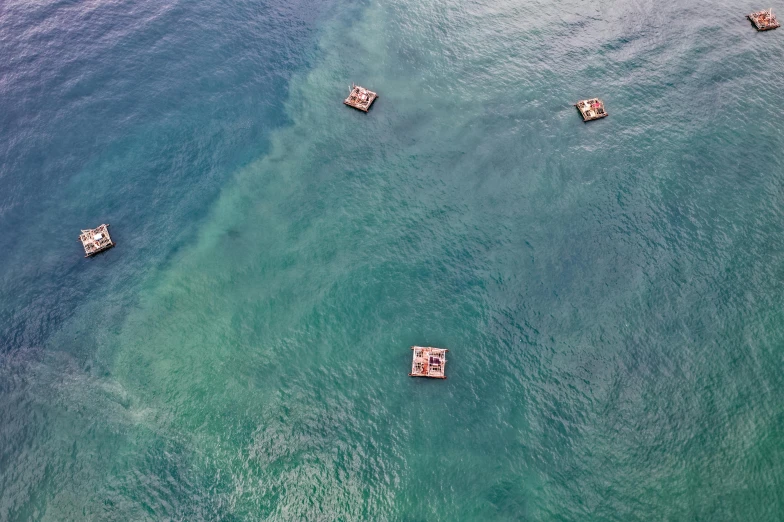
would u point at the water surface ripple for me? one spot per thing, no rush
(611, 293)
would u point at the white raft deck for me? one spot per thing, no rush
(592, 109)
(96, 240)
(428, 362)
(764, 20)
(360, 98)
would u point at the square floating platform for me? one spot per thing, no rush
(96, 240)
(764, 20)
(592, 109)
(428, 362)
(360, 98)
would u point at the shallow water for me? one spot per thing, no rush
(610, 292)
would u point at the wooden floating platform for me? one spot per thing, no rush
(428, 362)
(764, 20)
(360, 98)
(592, 109)
(96, 240)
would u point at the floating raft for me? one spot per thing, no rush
(96, 240)
(360, 98)
(428, 362)
(592, 109)
(764, 20)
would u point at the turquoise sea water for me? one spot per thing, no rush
(611, 293)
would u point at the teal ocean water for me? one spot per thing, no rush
(611, 293)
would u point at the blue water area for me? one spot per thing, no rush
(610, 293)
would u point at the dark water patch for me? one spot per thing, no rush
(112, 116)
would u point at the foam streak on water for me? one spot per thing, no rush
(610, 293)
